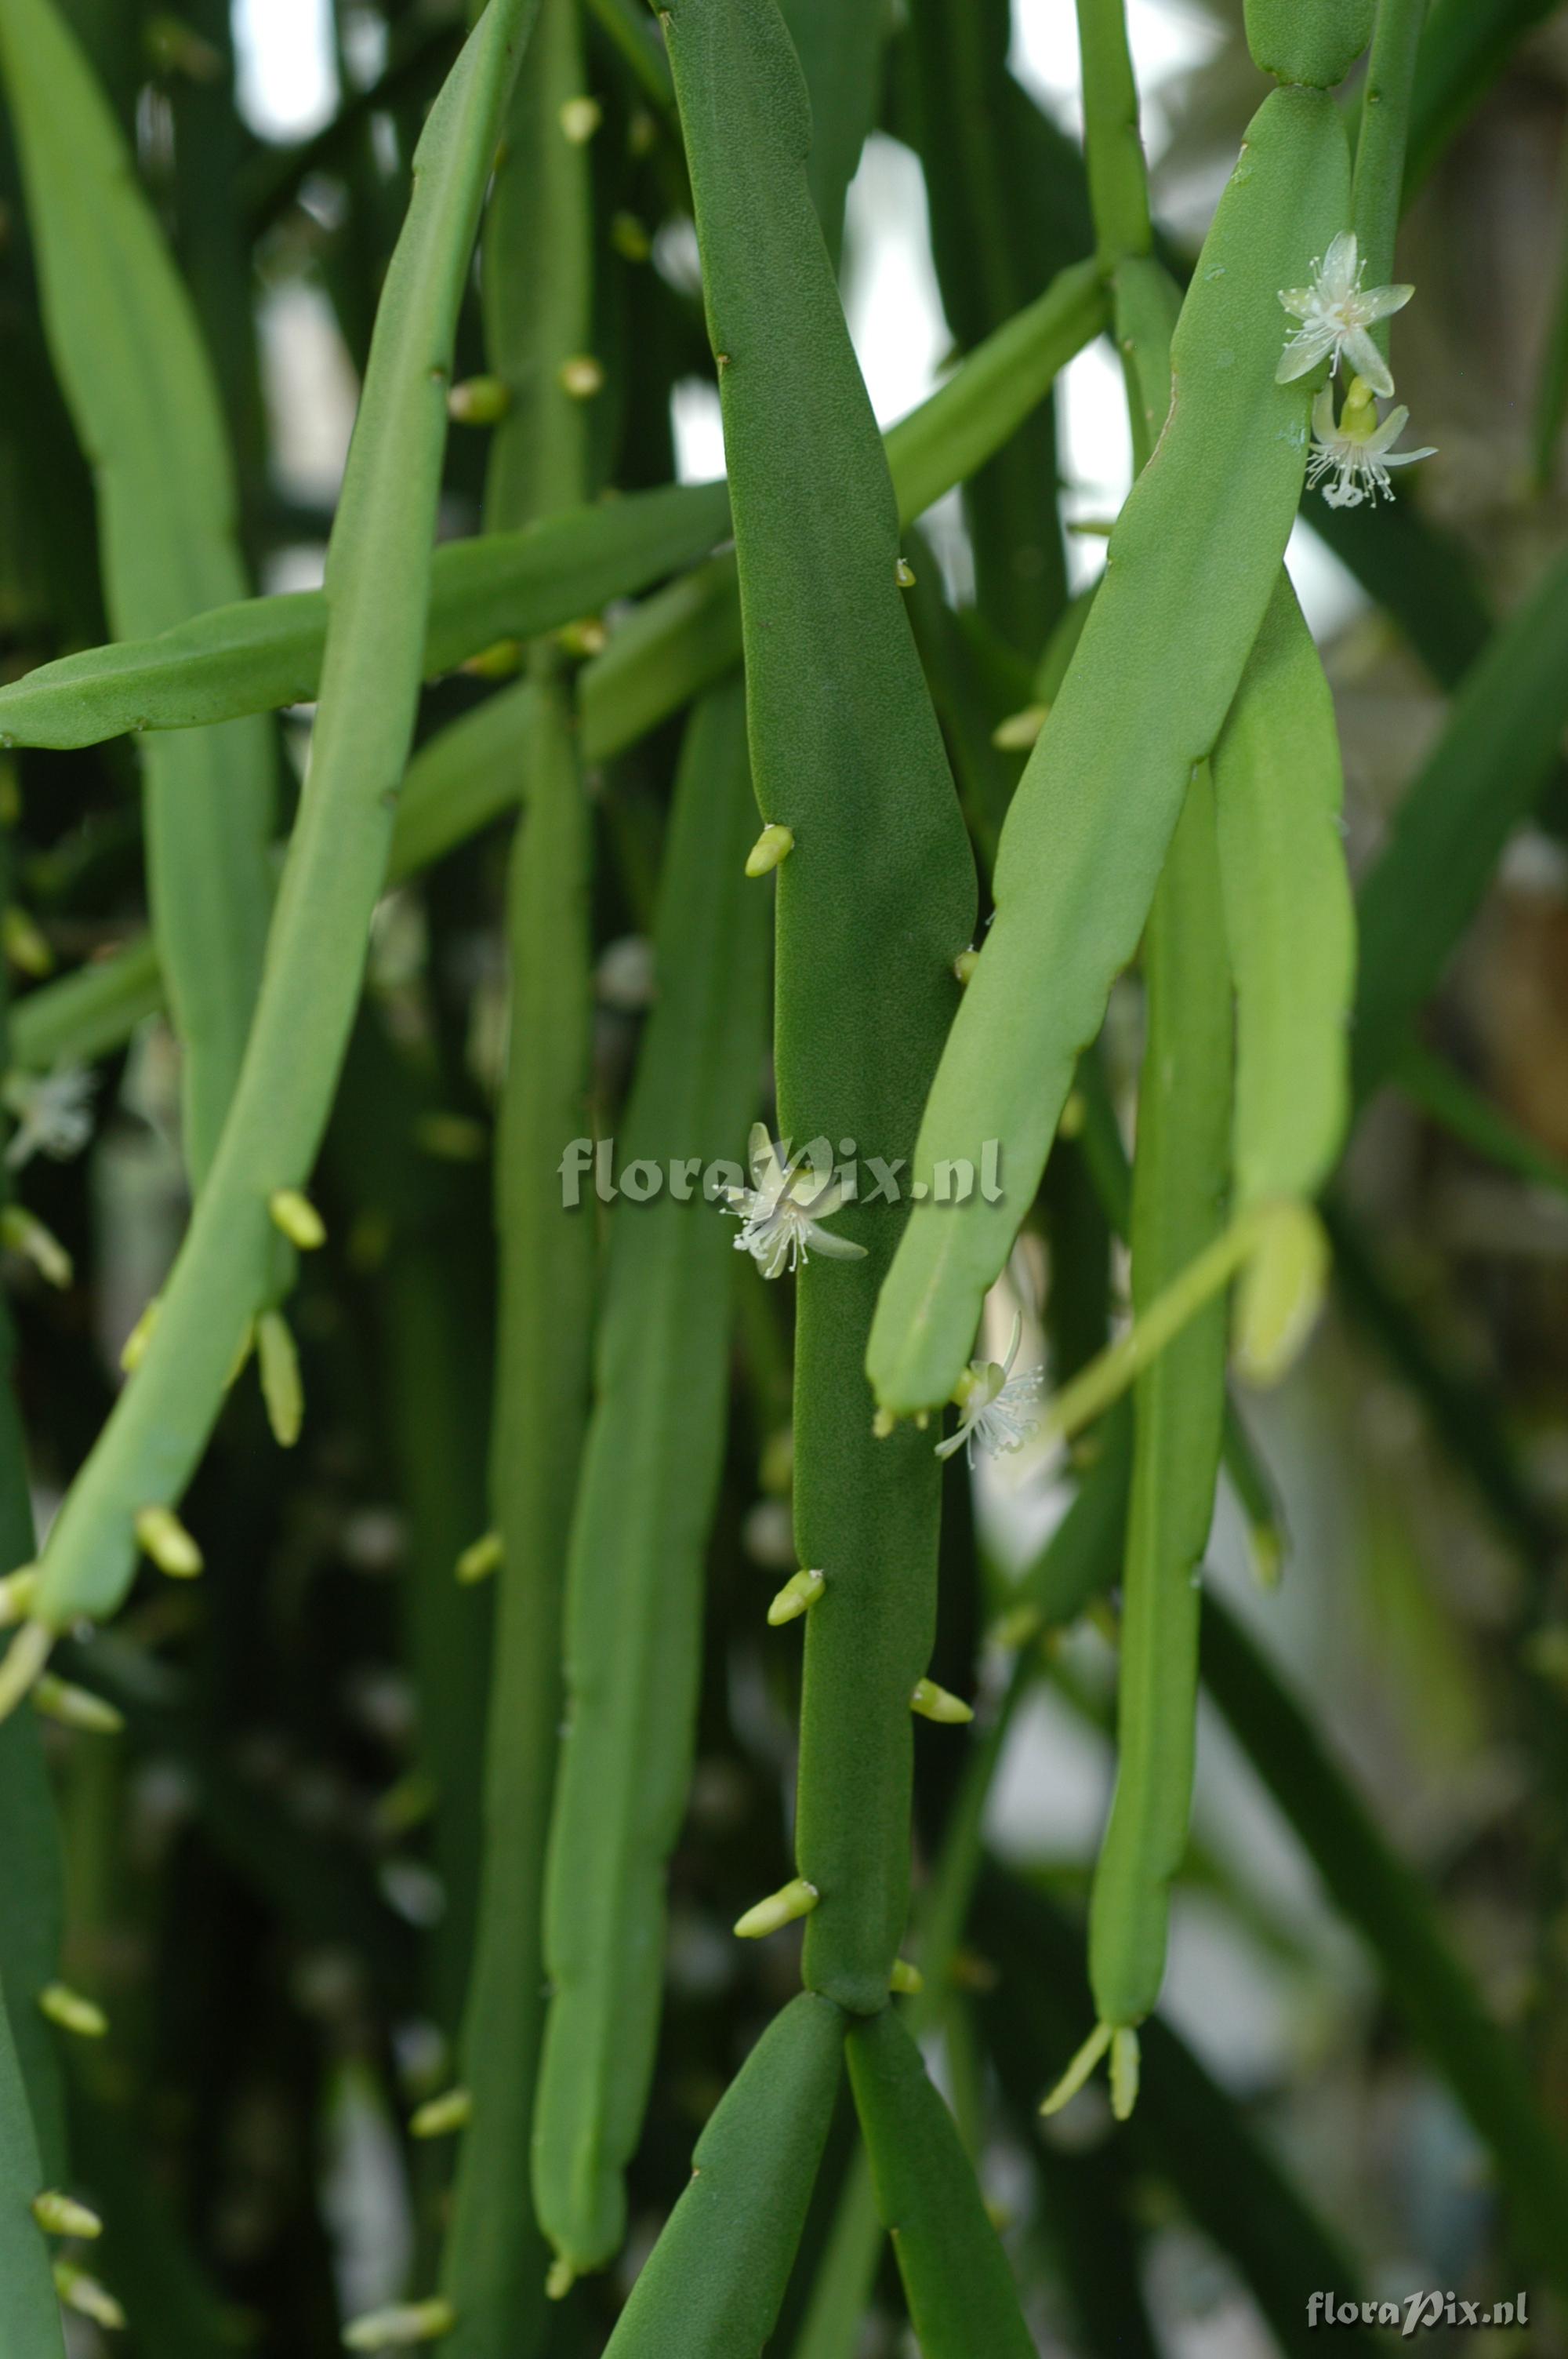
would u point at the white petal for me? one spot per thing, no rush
(1408, 458)
(1337, 275)
(1393, 427)
(1379, 301)
(1323, 423)
(1303, 354)
(1367, 361)
(954, 1441)
(1297, 300)
(823, 1241)
(816, 1192)
(762, 1155)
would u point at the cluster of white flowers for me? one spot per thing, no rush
(1351, 455)
(781, 1215)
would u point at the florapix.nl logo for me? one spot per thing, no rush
(589, 1166)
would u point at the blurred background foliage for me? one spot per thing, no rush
(271, 1872)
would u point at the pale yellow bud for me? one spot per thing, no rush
(18, 1592)
(933, 1703)
(582, 376)
(439, 2116)
(780, 1909)
(169, 1545)
(795, 1597)
(906, 1981)
(71, 2011)
(480, 1559)
(1018, 733)
(478, 401)
(297, 1216)
(773, 844)
(87, 2297)
(282, 1388)
(76, 1707)
(25, 1235)
(401, 2324)
(62, 2215)
(580, 118)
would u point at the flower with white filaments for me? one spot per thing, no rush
(54, 1114)
(995, 1407)
(1356, 451)
(782, 1212)
(1336, 315)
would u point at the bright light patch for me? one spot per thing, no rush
(287, 76)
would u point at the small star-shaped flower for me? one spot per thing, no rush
(53, 1111)
(1357, 451)
(995, 1407)
(783, 1211)
(1336, 315)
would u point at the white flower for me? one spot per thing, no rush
(782, 1211)
(1356, 451)
(1336, 313)
(54, 1114)
(995, 1406)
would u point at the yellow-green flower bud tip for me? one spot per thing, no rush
(478, 401)
(773, 844)
(62, 2215)
(480, 1559)
(582, 376)
(905, 1980)
(580, 118)
(400, 2324)
(1266, 1553)
(933, 1703)
(439, 2116)
(795, 1597)
(76, 1707)
(1078, 2071)
(282, 1388)
(1018, 733)
(134, 1350)
(1123, 2071)
(297, 1216)
(26, 1235)
(1281, 1292)
(502, 661)
(71, 2011)
(560, 2278)
(965, 964)
(883, 1424)
(87, 2297)
(22, 1663)
(169, 1545)
(586, 636)
(904, 574)
(18, 1592)
(25, 945)
(1074, 1115)
(779, 1909)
